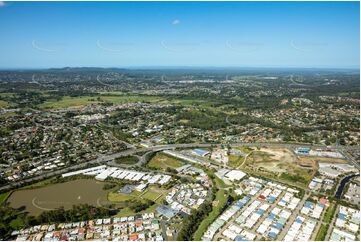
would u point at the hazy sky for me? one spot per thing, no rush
(123, 34)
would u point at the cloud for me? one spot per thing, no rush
(37, 47)
(307, 46)
(294, 46)
(175, 22)
(2, 3)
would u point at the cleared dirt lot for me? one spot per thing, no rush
(282, 164)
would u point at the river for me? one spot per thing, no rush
(342, 185)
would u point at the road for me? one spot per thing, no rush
(245, 159)
(133, 151)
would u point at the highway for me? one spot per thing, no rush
(133, 151)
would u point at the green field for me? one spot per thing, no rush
(119, 99)
(152, 195)
(128, 212)
(326, 221)
(67, 102)
(162, 161)
(7, 115)
(3, 104)
(122, 197)
(330, 211)
(322, 232)
(235, 161)
(3, 197)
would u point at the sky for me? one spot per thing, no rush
(188, 34)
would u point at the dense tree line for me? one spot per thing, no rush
(138, 206)
(191, 223)
(13, 219)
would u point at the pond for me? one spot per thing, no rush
(342, 185)
(59, 195)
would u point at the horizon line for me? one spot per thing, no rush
(145, 67)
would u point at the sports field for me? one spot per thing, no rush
(58, 195)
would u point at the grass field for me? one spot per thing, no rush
(327, 218)
(7, 115)
(235, 161)
(322, 232)
(67, 102)
(152, 193)
(330, 211)
(128, 212)
(122, 197)
(53, 196)
(3, 104)
(3, 197)
(162, 161)
(119, 99)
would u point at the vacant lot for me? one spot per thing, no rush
(280, 163)
(237, 160)
(314, 159)
(162, 161)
